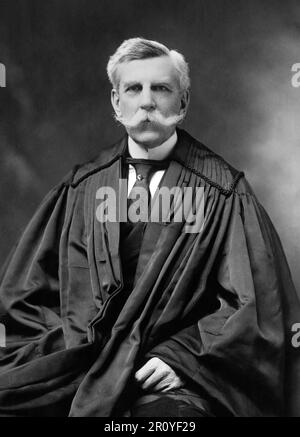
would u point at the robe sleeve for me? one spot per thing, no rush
(30, 304)
(37, 374)
(241, 356)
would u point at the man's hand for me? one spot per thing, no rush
(157, 376)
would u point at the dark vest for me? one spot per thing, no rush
(131, 238)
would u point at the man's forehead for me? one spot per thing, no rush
(150, 69)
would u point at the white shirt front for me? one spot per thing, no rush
(157, 153)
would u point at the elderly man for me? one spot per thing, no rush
(110, 313)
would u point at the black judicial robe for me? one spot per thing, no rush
(218, 306)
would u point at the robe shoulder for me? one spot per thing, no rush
(105, 158)
(190, 153)
(211, 167)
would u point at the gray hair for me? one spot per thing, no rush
(141, 48)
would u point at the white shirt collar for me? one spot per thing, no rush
(157, 153)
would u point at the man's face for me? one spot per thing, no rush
(148, 87)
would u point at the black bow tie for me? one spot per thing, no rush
(153, 163)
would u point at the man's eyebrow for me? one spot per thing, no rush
(134, 82)
(165, 81)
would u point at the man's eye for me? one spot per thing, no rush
(160, 88)
(134, 88)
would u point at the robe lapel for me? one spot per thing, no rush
(106, 234)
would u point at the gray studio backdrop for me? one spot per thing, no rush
(55, 110)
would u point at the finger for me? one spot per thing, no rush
(144, 372)
(154, 379)
(168, 384)
(161, 387)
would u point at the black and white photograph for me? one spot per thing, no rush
(149, 210)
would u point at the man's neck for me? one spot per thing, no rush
(160, 152)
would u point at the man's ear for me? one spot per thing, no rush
(185, 100)
(115, 101)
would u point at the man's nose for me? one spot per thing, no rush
(147, 101)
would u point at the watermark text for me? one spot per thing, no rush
(2, 335)
(296, 336)
(2, 76)
(176, 204)
(296, 77)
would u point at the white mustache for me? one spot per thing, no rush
(154, 117)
